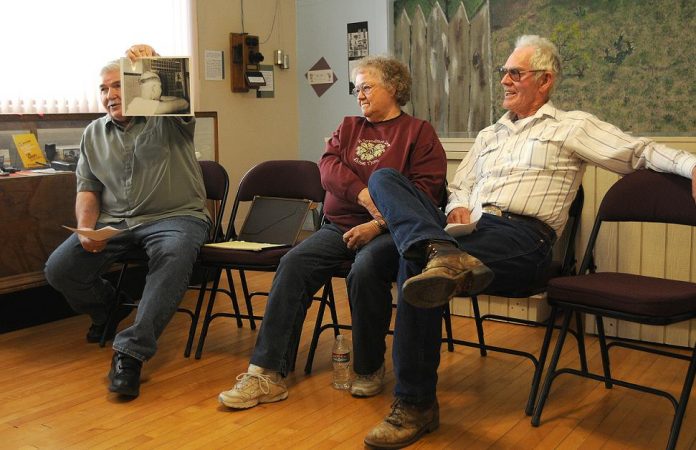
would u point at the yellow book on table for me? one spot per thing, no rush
(29, 150)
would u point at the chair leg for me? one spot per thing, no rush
(605, 353)
(479, 325)
(551, 372)
(196, 314)
(247, 300)
(233, 298)
(580, 337)
(112, 312)
(539, 367)
(683, 400)
(323, 300)
(332, 310)
(447, 317)
(207, 318)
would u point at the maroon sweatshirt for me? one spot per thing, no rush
(358, 148)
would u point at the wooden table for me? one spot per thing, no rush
(32, 210)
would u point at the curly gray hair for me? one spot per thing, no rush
(392, 73)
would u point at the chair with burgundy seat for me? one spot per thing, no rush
(643, 196)
(279, 178)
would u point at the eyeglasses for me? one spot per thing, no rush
(365, 89)
(515, 74)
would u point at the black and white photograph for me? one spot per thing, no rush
(157, 86)
(358, 47)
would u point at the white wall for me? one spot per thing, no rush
(321, 32)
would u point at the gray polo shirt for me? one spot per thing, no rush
(145, 172)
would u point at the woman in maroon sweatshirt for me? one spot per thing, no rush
(384, 137)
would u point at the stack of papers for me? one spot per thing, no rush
(244, 245)
(101, 234)
(460, 229)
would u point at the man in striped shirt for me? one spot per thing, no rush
(518, 182)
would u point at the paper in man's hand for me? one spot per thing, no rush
(460, 229)
(101, 234)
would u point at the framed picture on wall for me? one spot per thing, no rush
(358, 48)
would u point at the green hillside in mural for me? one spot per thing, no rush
(630, 62)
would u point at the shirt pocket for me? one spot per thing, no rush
(540, 148)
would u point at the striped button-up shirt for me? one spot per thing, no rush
(534, 166)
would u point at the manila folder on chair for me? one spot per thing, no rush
(271, 222)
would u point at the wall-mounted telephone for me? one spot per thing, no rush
(246, 58)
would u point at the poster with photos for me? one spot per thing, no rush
(156, 86)
(358, 48)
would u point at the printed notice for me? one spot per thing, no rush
(214, 65)
(320, 76)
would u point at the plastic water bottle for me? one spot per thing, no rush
(340, 355)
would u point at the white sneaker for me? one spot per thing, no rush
(254, 388)
(368, 385)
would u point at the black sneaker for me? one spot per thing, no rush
(125, 375)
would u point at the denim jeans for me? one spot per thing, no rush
(303, 271)
(514, 251)
(172, 246)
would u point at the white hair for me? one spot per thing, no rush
(110, 67)
(545, 57)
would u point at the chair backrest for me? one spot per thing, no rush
(565, 247)
(644, 196)
(217, 186)
(278, 178)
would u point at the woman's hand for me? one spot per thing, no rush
(365, 200)
(360, 235)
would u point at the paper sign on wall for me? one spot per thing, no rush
(321, 77)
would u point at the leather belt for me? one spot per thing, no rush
(546, 231)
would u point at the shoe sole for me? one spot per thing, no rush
(252, 403)
(362, 393)
(433, 292)
(429, 428)
(124, 392)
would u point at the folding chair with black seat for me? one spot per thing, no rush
(282, 178)
(643, 196)
(564, 263)
(216, 183)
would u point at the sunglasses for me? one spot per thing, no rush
(515, 74)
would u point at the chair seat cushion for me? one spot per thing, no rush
(656, 298)
(266, 258)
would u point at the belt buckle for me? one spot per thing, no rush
(492, 209)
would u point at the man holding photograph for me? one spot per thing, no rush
(133, 171)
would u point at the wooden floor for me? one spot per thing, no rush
(53, 395)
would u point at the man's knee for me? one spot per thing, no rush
(57, 270)
(381, 176)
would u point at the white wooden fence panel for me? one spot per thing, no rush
(438, 99)
(459, 71)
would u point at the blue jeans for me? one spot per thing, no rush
(303, 271)
(172, 247)
(514, 251)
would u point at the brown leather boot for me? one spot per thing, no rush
(404, 425)
(449, 272)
